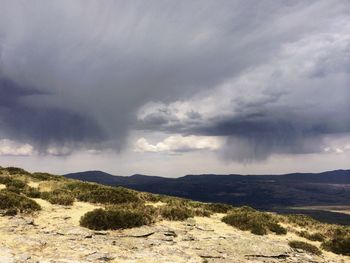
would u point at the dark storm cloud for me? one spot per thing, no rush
(41, 126)
(83, 69)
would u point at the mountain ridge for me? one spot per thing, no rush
(260, 191)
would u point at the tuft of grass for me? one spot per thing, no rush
(12, 203)
(300, 220)
(258, 223)
(101, 219)
(305, 246)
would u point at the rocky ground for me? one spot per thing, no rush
(54, 235)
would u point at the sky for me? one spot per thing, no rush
(172, 88)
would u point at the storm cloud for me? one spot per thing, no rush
(267, 76)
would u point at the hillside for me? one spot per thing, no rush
(48, 218)
(268, 192)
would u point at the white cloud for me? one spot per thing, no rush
(178, 143)
(12, 148)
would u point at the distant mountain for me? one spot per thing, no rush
(260, 191)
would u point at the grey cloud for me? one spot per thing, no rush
(41, 126)
(83, 69)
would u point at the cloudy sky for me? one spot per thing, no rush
(175, 87)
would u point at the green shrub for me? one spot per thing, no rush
(149, 197)
(16, 170)
(46, 176)
(339, 243)
(100, 219)
(32, 192)
(94, 193)
(305, 246)
(219, 208)
(313, 237)
(12, 201)
(258, 223)
(277, 229)
(5, 179)
(16, 186)
(58, 196)
(174, 213)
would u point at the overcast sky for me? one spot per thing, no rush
(175, 87)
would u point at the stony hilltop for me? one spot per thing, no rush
(48, 218)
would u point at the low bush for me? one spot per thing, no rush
(16, 170)
(305, 246)
(12, 202)
(46, 176)
(258, 223)
(300, 220)
(60, 197)
(202, 212)
(100, 219)
(150, 213)
(94, 193)
(32, 192)
(218, 207)
(313, 237)
(15, 185)
(5, 179)
(12, 184)
(175, 213)
(339, 243)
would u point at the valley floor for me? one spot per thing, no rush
(54, 235)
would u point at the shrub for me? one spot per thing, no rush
(10, 201)
(277, 229)
(339, 243)
(58, 196)
(300, 220)
(94, 193)
(305, 246)
(201, 212)
(46, 176)
(4, 179)
(16, 170)
(149, 213)
(219, 208)
(100, 219)
(149, 197)
(15, 185)
(258, 223)
(32, 192)
(313, 237)
(175, 213)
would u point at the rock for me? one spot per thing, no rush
(188, 238)
(170, 233)
(204, 228)
(101, 233)
(98, 256)
(23, 257)
(6, 256)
